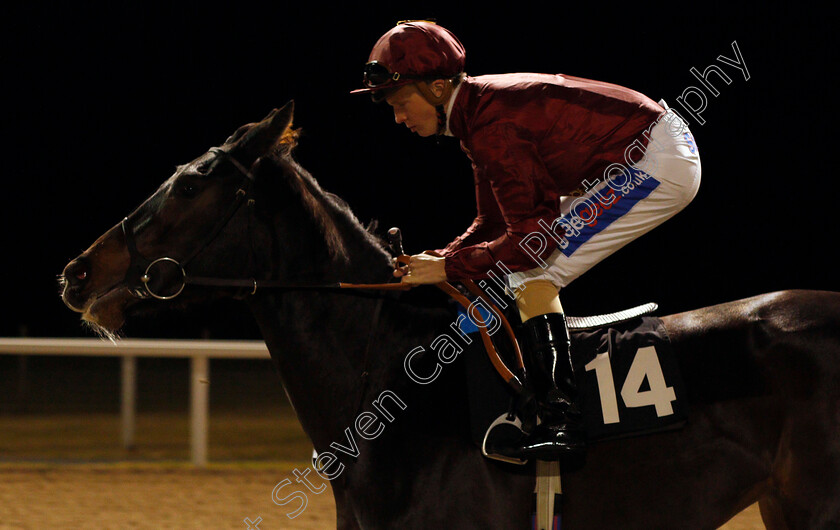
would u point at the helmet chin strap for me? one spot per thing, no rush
(437, 101)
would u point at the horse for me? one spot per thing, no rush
(762, 372)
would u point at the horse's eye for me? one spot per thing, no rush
(187, 190)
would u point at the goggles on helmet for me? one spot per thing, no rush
(377, 75)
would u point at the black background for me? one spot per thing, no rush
(102, 101)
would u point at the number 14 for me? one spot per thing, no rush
(645, 364)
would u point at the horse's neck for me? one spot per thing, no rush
(317, 340)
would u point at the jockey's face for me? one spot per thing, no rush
(412, 109)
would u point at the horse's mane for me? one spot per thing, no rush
(332, 214)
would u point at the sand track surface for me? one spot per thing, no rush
(152, 496)
(161, 496)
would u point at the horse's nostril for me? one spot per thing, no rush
(77, 272)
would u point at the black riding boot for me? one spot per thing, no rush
(560, 433)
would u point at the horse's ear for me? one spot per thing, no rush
(257, 139)
(238, 133)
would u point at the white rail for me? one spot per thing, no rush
(199, 351)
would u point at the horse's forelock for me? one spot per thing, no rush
(289, 138)
(285, 144)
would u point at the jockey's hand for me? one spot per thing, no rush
(425, 268)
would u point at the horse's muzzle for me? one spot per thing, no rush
(73, 281)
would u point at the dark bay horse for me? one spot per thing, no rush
(763, 374)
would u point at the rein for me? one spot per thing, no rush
(141, 267)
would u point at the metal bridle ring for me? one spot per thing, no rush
(146, 278)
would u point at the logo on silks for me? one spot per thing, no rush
(600, 207)
(690, 140)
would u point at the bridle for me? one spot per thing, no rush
(138, 277)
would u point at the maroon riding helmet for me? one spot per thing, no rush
(411, 51)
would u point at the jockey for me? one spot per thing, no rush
(567, 170)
